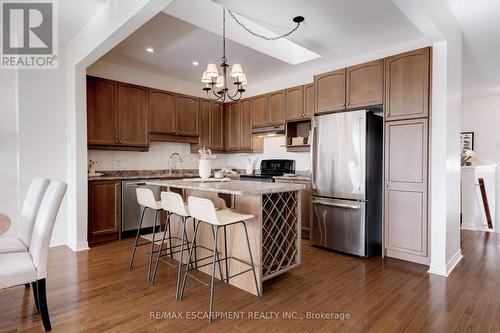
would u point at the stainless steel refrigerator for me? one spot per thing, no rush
(347, 173)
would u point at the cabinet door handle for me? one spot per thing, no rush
(117, 141)
(348, 103)
(343, 104)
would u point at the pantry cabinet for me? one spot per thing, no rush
(407, 82)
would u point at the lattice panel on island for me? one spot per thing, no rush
(280, 233)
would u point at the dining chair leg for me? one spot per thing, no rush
(184, 280)
(251, 261)
(42, 300)
(212, 285)
(167, 226)
(35, 295)
(181, 255)
(152, 247)
(136, 239)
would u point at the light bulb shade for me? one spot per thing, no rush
(243, 79)
(236, 70)
(220, 82)
(212, 70)
(205, 78)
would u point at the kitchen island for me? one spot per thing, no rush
(274, 232)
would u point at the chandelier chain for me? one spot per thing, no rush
(259, 35)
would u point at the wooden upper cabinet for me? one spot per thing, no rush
(365, 84)
(407, 78)
(217, 126)
(277, 104)
(187, 115)
(226, 109)
(308, 100)
(246, 124)
(329, 91)
(133, 106)
(260, 111)
(234, 126)
(162, 112)
(295, 103)
(101, 112)
(204, 137)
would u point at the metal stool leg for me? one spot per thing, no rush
(251, 260)
(167, 226)
(213, 276)
(188, 262)
(136, 238)
(152, 247)
(170, 239)
(225, 255)
(181, 254)
(217, 254)
(194, 241)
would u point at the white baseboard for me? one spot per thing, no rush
(57, 242)
(81, 246)
(468, 226)
(450, 265)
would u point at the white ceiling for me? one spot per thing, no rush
(480, 24)
(335, 29)
(73, 17)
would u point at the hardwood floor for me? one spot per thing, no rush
(94, 292)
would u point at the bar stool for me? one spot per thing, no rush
(146, 200)
(173, 204)
(204, 211)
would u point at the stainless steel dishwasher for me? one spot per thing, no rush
(131, 211)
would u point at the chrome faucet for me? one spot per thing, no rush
(170, 161)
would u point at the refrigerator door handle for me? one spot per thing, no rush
(329, 204)
(313, 133)
(360, 123)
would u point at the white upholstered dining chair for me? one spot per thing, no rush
(31, 267)
(28, 216)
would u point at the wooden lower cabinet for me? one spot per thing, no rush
(104, 210)
(306, 204)
(406, 190)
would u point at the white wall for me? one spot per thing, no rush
(34, 128)
(482, 116)
(9, 147)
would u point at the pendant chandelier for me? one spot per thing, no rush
(216, 86)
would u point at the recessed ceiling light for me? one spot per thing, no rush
(150, 49)
(195, 63)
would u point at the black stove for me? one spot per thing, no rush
(270, 169)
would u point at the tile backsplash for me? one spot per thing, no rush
(157, 158)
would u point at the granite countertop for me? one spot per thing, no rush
(298, 177)
(143, 174)
(233, 187)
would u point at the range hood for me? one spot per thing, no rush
(277, 130)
